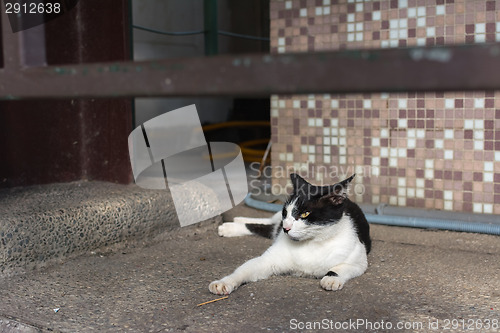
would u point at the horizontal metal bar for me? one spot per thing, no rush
(469, 67)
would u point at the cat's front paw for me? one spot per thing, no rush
(230, 229)
(220, 287)
(331, 283)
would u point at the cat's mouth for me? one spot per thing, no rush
(294, 238)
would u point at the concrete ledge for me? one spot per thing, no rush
(13, 326)
(41, 223)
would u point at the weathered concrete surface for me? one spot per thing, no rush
(44, 223)
(415, 277)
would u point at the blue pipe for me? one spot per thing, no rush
(401, 221)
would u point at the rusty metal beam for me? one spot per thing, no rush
(469, 67)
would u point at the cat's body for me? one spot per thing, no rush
(319, 233)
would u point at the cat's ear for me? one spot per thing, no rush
(338, 192)
(298, 182)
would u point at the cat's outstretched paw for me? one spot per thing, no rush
(220, 287)
(331, 283)
(230, 229)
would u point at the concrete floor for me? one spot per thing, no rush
(431, 280)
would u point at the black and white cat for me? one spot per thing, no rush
(319, 233)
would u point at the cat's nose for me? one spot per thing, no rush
(286, 230)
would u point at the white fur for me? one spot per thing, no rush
(238, 228)
(305, 250)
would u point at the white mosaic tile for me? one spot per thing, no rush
(480, 38)
(439, 144)
(488, 208)
(488, 177)
(448, 195)
(478, 123)
(480, 28)
(449, 134)
(449, 103)
(468, 124)
(411, 143)
(477, 208)
(479, 102)
(440, 10)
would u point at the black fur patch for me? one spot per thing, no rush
(331, 273)
(360, 223)
(327, 205)
(264, 230)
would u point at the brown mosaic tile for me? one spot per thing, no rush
(429, 150)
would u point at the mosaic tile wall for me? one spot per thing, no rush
(425, 150)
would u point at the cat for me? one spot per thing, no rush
(319, 233)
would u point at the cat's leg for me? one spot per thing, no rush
(243, 226)
(253, 220)
(338, 275)
(259, 268)
(276, 218)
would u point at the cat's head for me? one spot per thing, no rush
(311, 208)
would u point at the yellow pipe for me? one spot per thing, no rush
(249, 155)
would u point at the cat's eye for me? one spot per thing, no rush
(304, 215)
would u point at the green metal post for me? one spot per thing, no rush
(211, 27)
